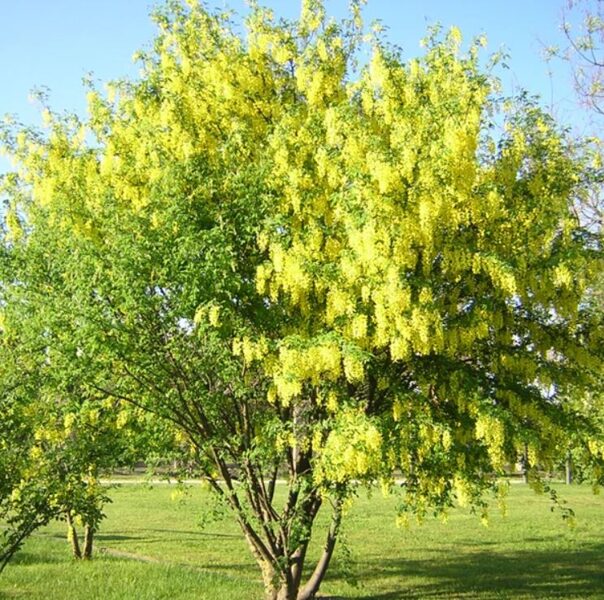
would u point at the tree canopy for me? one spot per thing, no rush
(315, 270)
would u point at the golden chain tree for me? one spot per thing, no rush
(320, 272)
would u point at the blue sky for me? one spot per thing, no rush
(54, 43)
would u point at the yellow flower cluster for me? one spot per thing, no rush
(250, 350)
(491, 432)
(352, 450)
(208, 313)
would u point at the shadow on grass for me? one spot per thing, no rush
(484, 574)
(113, 537)
(146, 537)
(23, 558)
(199, 534)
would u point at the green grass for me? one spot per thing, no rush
(152, 547)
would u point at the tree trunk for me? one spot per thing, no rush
(569, 469)
(270, 577)
(525, 464)
(286, 593)
(72, 536)
(88, 540)
(290, 588)
(314, 582)
(273, 590)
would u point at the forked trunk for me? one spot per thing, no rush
(288, 585)
(74, 541)
(72, 536)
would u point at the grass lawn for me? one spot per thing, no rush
(152, 546)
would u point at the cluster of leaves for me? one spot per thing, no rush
(58, 434)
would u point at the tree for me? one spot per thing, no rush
(24, 501)
(56, 438)
(25, 493)
(585, 50)
(583, 27)
(318, 273)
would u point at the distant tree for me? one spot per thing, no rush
(583, 27)
(317, 272)
(585, 50)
